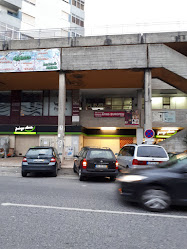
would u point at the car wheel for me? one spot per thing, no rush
(81, 177)
(74, 168)
(54, 174)
(155, 199)
(24, 174)
(112, 178)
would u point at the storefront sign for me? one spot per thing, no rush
(25, 130)
(165, 133)
(131, 117)
(109, 114)
(35, 60)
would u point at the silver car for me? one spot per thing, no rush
(143, 155)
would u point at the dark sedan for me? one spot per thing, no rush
(157, 188)
(92, 162)
(41, 159)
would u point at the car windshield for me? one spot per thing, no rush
(101, 154)
(151, 151)
(45, 152)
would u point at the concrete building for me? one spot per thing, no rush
(102, 91)
(59, 18)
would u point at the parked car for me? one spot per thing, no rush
(41, 159)
(159, 187)
(91, 162)
(143, 155)
(2, 153)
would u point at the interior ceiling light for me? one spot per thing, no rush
(169, 128)
(108, 128)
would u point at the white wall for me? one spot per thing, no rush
(49, 14)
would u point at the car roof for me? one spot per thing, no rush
(42, 147)
(97, 148)
(137, 145)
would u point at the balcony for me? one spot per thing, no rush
(11, 4)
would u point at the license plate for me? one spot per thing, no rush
(152, 162)
(38, 160)
(100, 166)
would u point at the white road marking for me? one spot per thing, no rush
(95, 211)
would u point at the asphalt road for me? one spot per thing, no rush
(59, 213)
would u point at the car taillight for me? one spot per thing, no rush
(24, 159)
(53, 160)
(84, 164)
(117, 164)
(137, 162)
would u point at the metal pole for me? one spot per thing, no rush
(147, 100)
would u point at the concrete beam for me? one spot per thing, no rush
(163, 56)
(164, 37)
(92, 41)
(112, 57)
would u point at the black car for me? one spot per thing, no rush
(91, 162)
(157, 188)
(41, 159)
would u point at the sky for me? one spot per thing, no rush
(139, 15)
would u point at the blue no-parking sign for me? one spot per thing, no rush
(149, 133)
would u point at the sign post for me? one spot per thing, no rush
(149, 134)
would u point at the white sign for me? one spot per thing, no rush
(34, 60)
(169, 117)
(24, 128)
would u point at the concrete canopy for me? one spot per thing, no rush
(90, 79)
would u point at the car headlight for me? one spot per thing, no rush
(131, 178)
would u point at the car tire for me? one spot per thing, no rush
(74, 168)
(112, 178)
(155, 198)
(55, 173)
(81, 177)
(23, 173)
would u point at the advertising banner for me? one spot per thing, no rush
(26, 61)
(109, 114)
(131, 117)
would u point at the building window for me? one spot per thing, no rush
(11, 13)
(31, 103)
(157, 102)
(78, 3)
(178, 102)
(166, 102)
(5, 98)
(112, 103)
(28, 19)
(77, 20)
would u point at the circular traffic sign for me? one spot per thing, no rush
(149, 133)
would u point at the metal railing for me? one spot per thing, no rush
(10, 33)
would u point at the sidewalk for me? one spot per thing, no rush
(16, 162)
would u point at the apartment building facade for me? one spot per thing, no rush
(30, 15)
(53, 93)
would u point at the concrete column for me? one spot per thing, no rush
(147, 100)
(139, 102)
(139, 135)
(61, 115)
